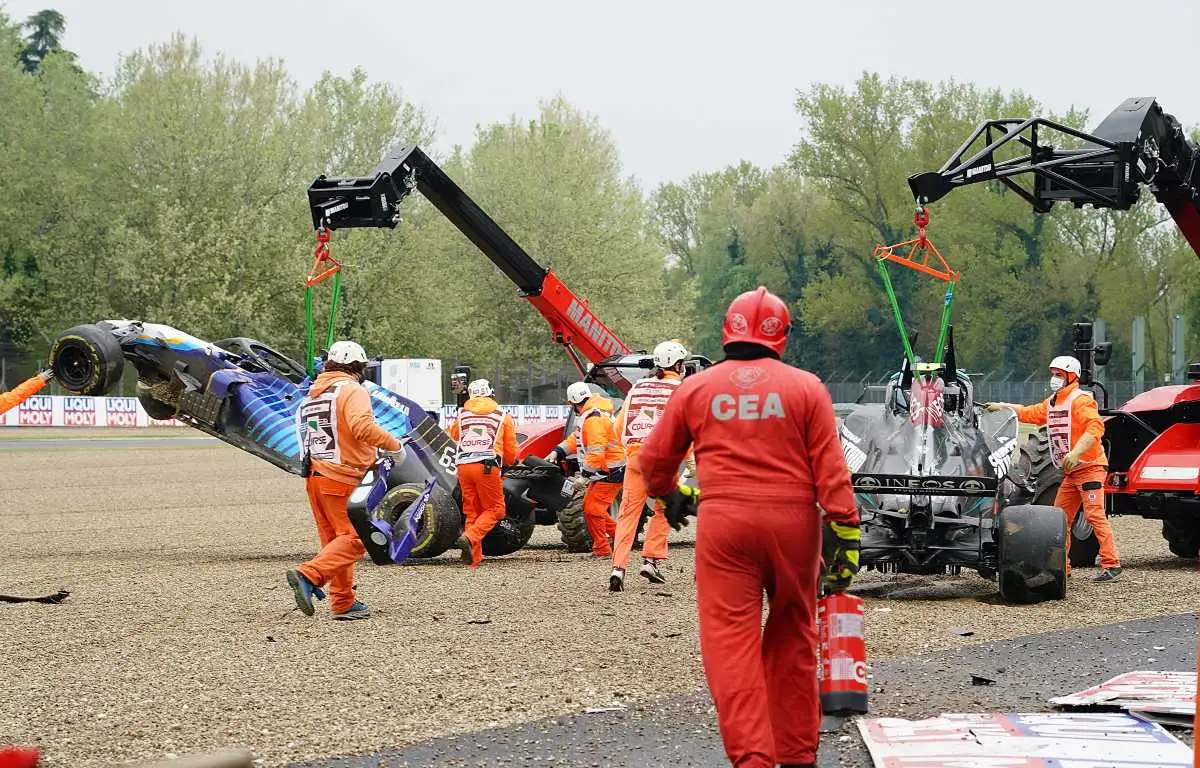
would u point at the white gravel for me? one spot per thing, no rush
(179, 635)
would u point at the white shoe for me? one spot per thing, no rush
(616, 582)
(651, 572)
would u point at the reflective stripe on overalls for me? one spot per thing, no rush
(478, 436)
(610, 450)
(1058, 426)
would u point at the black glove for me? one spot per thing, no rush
(840, 545)
(679, 504)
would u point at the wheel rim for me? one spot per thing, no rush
(74, 367)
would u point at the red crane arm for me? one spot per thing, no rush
(374, 201)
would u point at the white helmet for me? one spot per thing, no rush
(668, 353)
(578, 393)
(480, 388)
(1066, 363)
(347, 352)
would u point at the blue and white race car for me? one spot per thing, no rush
(241, 391)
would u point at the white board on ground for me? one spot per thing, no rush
(1157, 693)
(1034, 740)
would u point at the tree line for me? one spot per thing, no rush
(173, 190)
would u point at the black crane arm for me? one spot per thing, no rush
(1138, 143)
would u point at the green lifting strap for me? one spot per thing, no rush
(311, 324)
(945, 322)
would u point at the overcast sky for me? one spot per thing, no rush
(682, 86)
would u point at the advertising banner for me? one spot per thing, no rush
(1041, 740)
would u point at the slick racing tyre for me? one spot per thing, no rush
(442, 523)
(1032, 556)
(86, 360)
(507, 537)
(1034, 463)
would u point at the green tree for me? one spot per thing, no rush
(45, 30)
(859, 146)
(555, 185)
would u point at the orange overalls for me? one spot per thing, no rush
(643, 407)
(599, 452)
(338, 430)
(486, 435)
(1069, 414)
(20, 393)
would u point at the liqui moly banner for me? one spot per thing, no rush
(37, 411)
(79, 411)
(121, 412)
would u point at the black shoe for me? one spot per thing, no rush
(464, 549)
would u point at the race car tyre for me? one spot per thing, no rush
(86, 360)
(154, 408)
(1182, 535)
(1034, 463)
(573, 526)
(507, 537)
(1032, 557)
(442, 523)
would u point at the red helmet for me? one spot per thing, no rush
(758, 317)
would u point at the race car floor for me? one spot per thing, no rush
(682, 731)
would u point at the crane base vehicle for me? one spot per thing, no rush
(1153, 440)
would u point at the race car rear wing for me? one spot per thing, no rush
(924, 485)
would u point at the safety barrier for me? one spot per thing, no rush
(78, 411)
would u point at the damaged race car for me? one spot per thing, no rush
(943, 485)
(245, 393)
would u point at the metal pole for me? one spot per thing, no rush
(1138, 354)
(1178, 355)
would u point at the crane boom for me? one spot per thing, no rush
(374, 201)
(1138, 143)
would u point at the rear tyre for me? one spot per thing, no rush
(442, 522)
(1032, 557)
(1182, 535)
(1034, 463)
(86, 360)
(507, 537)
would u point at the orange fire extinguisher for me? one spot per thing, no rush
(842, 654)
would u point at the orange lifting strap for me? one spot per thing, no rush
(320, 258)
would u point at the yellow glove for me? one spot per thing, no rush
(840, 552)
(998, 406)
(1071, 460)
(679, 504)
